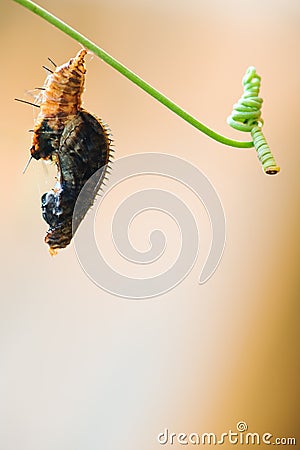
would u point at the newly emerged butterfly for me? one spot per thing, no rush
(77, 141)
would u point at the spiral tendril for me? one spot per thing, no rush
(246, 116)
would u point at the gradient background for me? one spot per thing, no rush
(82, 369)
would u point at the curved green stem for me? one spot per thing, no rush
(130, 75)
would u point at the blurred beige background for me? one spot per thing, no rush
(82, 369)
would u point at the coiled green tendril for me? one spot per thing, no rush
(246, 116)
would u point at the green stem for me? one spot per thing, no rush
(129, 74)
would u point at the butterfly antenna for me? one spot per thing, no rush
(27, 164)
